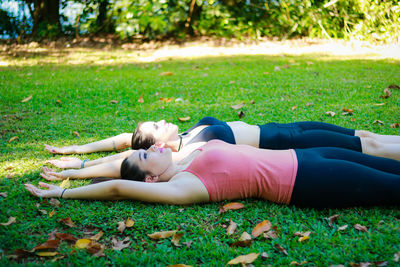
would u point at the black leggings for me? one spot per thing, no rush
(335, 177)
(307, 134)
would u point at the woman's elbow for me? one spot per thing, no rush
(114, 189)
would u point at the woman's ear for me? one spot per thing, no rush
(151, 179)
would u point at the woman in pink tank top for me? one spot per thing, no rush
(219, 171)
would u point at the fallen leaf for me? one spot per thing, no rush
(378, 122)
(231, 206)
(285, 66)
(396, 257)
(10, 221)
(67, 222)
(294, 108)
(238, 106)
(394, 86)
(252, 101)
(43, 211)
(271, 235)
(386, 93)
(395, 125)
(3, 194)
(166, 99)
(161, 235)
(166, 73)
(361, 264)
(49, 244)
(245, 236)
(309, 104)
(113, 102)
(129, 223)
(141, 100)
(13, 139)
(121, 226)
(266, 73)
(260, 228)
(264, 255)
(379, 104)
(96, 249)
(54, 202)
(76, 133)
(231, 82)
(330, 113)
(298, 264)
(244, 259)
(82, 243)
(179, 265)
(66, 237)
(176, 238)
(231, 228)
(242, 243)
(65, 184)
(332, 219)
(97, 236)
(380, 263)
(281, 249)
(51, 214)
(22, 253)
(342, 228)
(120, 244)
(241, 114)
(26, 99)
(347, 110)
(47, 254)
(303, 236)
(184, 118)
(188, 244)
(361, 228)
(368, 86)
(309, 63)
(277, 68)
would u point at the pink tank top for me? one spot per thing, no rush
(241, 171)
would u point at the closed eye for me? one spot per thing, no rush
(145, 155)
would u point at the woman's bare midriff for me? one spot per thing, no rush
(245, 134)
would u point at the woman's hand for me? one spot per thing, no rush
(61, 150)
(51, 175)
(66, 162)
(51, 191)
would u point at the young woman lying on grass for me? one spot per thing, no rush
(270, 136)
(315, 177)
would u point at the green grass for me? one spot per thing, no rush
(84, 92)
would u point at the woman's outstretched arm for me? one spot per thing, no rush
(173, 192)
(121, 141)
(75, 163)
(110, 169)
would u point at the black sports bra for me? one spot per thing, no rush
(217, 130)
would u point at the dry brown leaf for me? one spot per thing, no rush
(281, 249)
(161, 235)
(231, 206)
(166, 73)
(49, 244)
(238, 106)
(3, 194)
(277, 68)
(26, 99)
(67, 222)
(394, 86)
(82, 243)
(332, 219)
(241, 114)
(65, 183)
(113, 102)
(43, 211)
(96, 249)
(395, 125)
(252, 101)
(245, 236)
(386, 93)
(76, 133)
(121, 226)
(309, 104)
(232, 82)
(129, 223)
(380, 263)
(176, 238)
(396, 257)
(361, 264)
(14, 138)
(378, 122)
(179, 265)
(184, 118)
(264, 255)
(47, 253)
(244, 259)
(309, 63)
(231, 228)
(330, 113)
(260, 228)
(348, 110)
(361, 228)
(303, 236)
(120, 244)
(66, 237)
(242, 243)
(141, 99)
(342, 228)
(97, 236)
(294, 108)
(51, 214)
(54, 202)
(271, 235)
(11, 220)
(166, 99)
(298, 264)
(188, 244)
(379, 104)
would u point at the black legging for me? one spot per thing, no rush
(336, 177)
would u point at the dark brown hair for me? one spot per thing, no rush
(140, 141)
(131, 171)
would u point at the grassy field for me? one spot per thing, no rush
(68, 98)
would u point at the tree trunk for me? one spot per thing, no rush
(101, 19)
(46, 16)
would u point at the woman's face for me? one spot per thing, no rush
(161, 130)
(154, 160)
